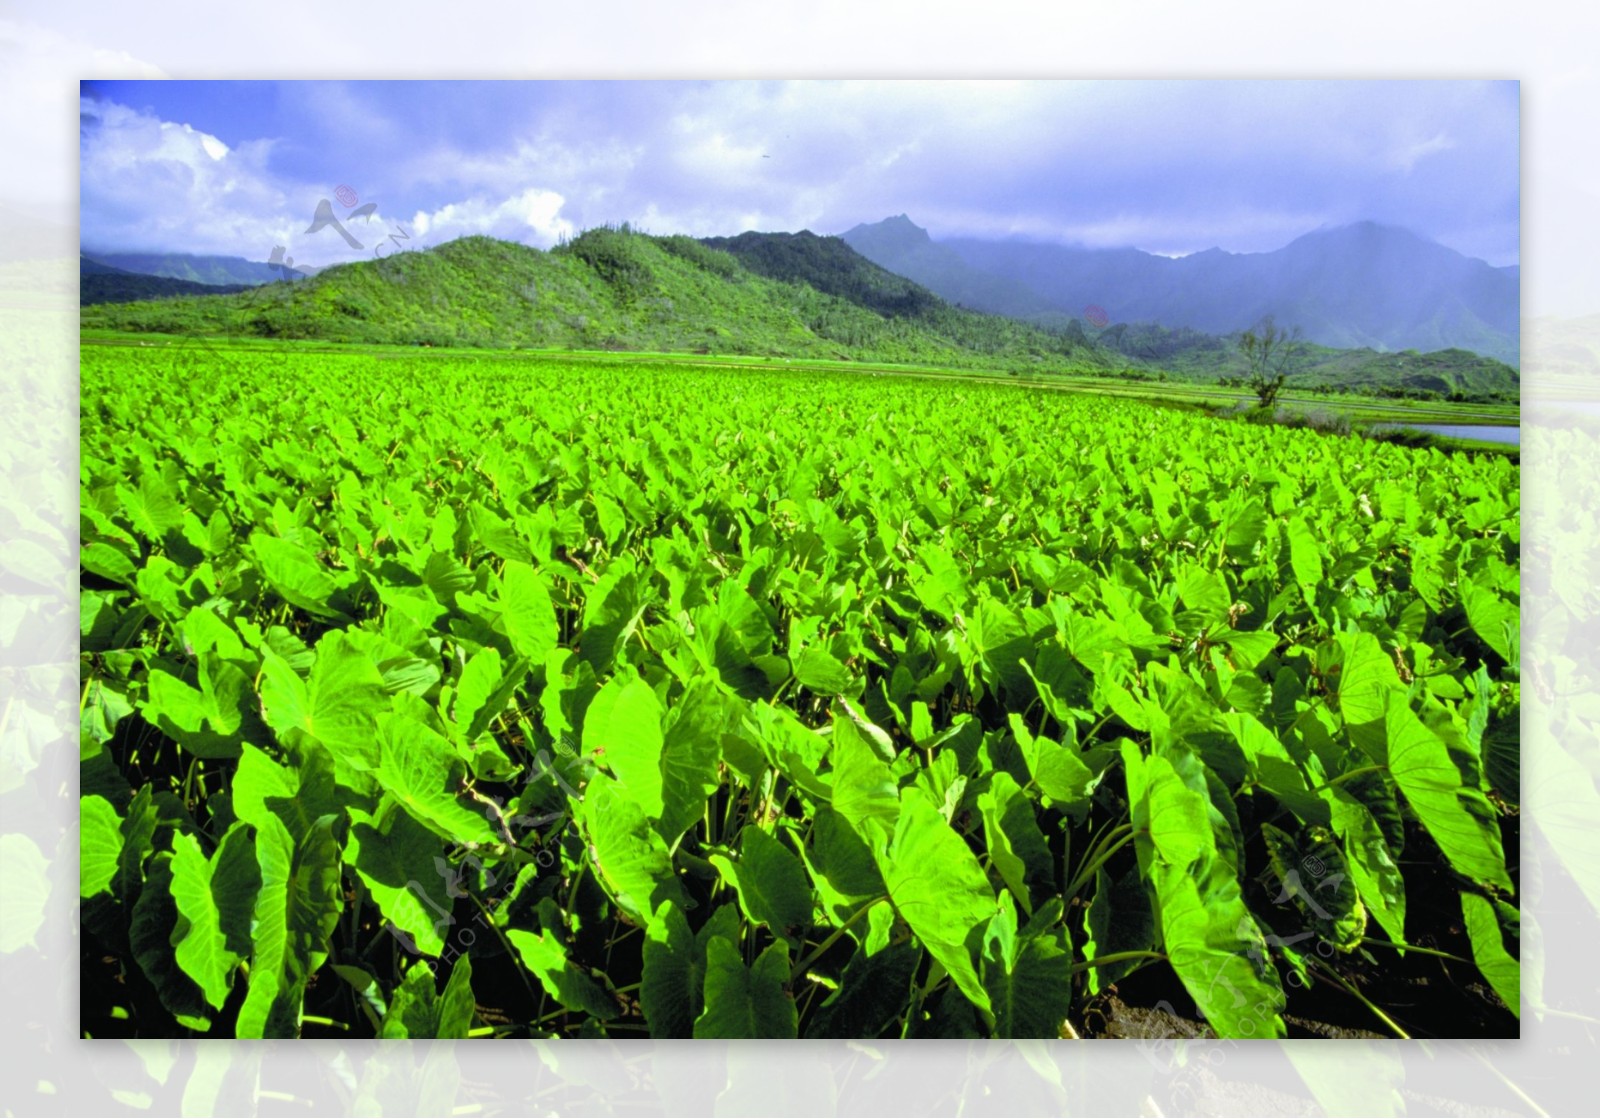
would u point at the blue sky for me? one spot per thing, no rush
(1171, 167)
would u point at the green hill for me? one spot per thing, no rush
(829, 265)
(622, 290)
(1194, 355)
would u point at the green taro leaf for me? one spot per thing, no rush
(297, 908)
(151, 508)
(1205, 595)
(340, 706)
(1371, 864)
(822, 672)
(154, 917)
(298, 794)
(1305, 559)
(1496, 621)
(1212, 942)
(1498, 966)
(104, 707)
(1028, 976)
(630, 858)
(401, 864)
(530, 616)
(573, 988)
(416, 1011)
(108, 562)
(138, 841)
(422, 771)
(296, 575)
(100, 845)
(1016, 845)
(215, 900)
(745, 1002)
(1120, 920)
(937, 886)
(863, 788)
(412, 1006)
(1274, 768)
(792, 748)
(1311, 873)
(1502, 757)
(771, 882)
(484, 689)
(1366, 682)
(1058, 772)
(668, 773)
(673, 975)
(257, 778)
(872, 995)
(690, 751)
(611, 612)
(1458, 817)
(1246, 528)
(204, 721)
(841, 865)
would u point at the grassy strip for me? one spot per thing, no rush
(1359, 409)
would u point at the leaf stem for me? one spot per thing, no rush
(1325, 970)
(1415, 948)
(801, 967)
(577, 877)
(1348, 774)
(1098, 858)
(1117, 958)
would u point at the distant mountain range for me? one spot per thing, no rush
(1362, 285)
(101, 283)
(197, 269)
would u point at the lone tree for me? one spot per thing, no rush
(1270, 353)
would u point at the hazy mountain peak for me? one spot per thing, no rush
(1366, 234)
(1362, 284)
(898, 233)
(903, 223)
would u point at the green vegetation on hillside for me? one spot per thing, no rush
(829, 265)
(605, 289)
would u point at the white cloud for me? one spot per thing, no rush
(158, 185)
(1410, 154)
(148, 183)
(568, 168)
(1170, 167)
(532, 217)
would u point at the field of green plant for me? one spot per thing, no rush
(473, 696)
